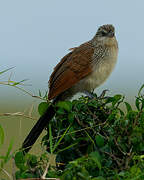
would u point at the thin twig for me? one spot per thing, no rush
(113, 156)
(119, 147)
(45, 172)
(17, 114)
(21, 89)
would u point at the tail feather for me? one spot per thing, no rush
(38, 128)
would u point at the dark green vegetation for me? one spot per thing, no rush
(90, 139)
(87, 139)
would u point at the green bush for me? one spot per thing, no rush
(91, 139)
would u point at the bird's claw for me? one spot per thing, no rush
(102, 95)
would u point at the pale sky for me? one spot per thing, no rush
(36, 34)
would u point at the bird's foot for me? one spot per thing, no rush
(102, 95)
(92, 96)
(89, 94)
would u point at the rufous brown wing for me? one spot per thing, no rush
(71, 69)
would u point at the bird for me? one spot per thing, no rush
(83, 69)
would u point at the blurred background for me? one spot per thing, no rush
(35, 35)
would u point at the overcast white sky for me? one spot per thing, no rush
(36, 34)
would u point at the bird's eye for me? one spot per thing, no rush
(103, 33)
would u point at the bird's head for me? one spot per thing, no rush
(105, 34)
(107, 30)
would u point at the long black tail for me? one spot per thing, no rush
(38, 128)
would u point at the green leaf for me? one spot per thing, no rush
(99, 140)
(122, 174)
(116, 99)
(60, 139)
(137, 103)
(6, 70)
(24, 175)
(18, 174)
(60, 111)
(121, 112)
(42, 108)
(71, 117)
(139, 92)
(90, 137)
(32, 160)
(66, 148)
(17, 83)
(66, 105)
(8, 155)
(134, 170)
(142, 104)
(96, 158)
(128, 106)
(19, 158)
(20, 161)
(1, 135)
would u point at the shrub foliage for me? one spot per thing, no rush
(90, 139)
